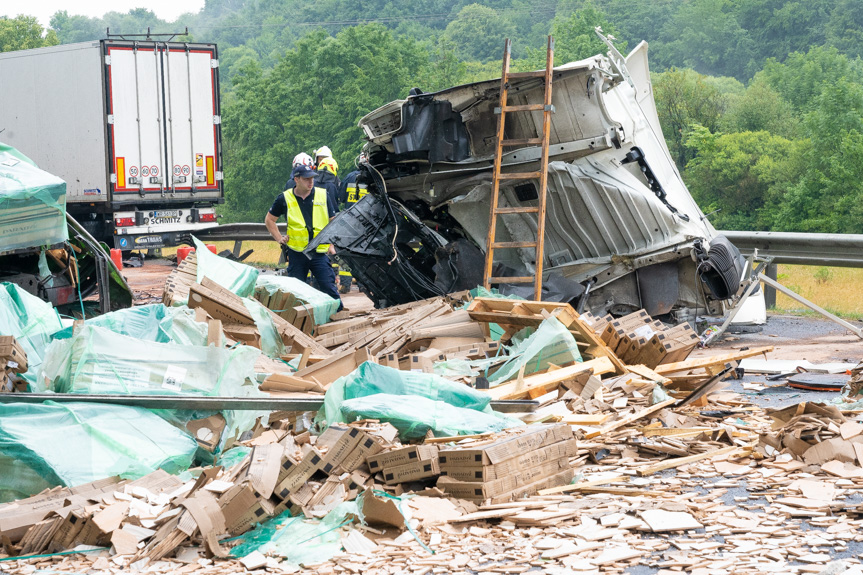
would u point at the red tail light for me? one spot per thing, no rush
(207, 217)
(124, 222)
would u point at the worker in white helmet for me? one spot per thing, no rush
(301, 159)
(327, 177)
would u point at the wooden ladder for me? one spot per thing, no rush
(546, 108)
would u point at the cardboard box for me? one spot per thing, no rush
(207, 431)
(502, 485)
(243, 508)
(562, 478)
(567, 449)
(617, 328)
(414, 471)
(366, 448)
(299, 474)
(401, 456)
(338, 441)
(13, 353)
(422, 361)
(509, 445)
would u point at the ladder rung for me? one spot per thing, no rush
(533, 74)
(519, 176)
(505, 245)
(516, 210)
(525, 108)
(513, 280)
(523, 142)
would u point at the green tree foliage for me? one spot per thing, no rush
(76, 28)
(802, 77)
(760, 109)
(314, 96)
(23, 33)
(739, 177)
(828, 196)
(705, 35)
(684, 98)
(478, 32)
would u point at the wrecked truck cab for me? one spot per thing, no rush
(622, 231)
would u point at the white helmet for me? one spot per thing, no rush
(323, 151)
(302, 159)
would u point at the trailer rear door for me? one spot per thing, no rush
(163, 122)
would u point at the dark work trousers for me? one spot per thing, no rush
(299, 267)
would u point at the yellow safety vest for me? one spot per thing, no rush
(356, 192)
(298, 233)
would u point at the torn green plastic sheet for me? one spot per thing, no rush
(74, 443)
(416, 416)
(371, 378)
(31, 321)
(153, 322)
(32, 204)
(551, 343)
(234, 276)
(321, 305)
(99, 361)
(271, 342)
(18, 480)
(299, 540)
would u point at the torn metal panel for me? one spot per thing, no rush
(616, 203)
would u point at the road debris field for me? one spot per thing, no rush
(469, 433)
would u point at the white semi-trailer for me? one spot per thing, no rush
(132, 127)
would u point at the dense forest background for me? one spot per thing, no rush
(761, 101)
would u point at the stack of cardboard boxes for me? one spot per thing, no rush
(638, 339)
(13, 360)
(404, 464)
(509, 465)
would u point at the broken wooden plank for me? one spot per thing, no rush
(677, 462)
(631, 418)
(549, 380)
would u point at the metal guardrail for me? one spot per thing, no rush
(842, 250)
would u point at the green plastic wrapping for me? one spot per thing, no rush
(234, 276)
(322, 305)
(371, 378)
(153, 322)
(271, 342)
(32, 204)
(550, 343)
(415, 416)
(74, 443)
(18, 480)
(31, 321)
(299, 540)
(99, 361)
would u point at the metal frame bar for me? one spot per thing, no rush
(217, 403)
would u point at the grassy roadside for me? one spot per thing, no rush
(835, 289)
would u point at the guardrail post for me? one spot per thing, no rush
(769, 291)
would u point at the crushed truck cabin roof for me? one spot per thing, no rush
(621, 225)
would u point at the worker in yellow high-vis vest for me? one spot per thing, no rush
(307, 210)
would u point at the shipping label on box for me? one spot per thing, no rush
(401, 456)
(568, 448)
(422, 469)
